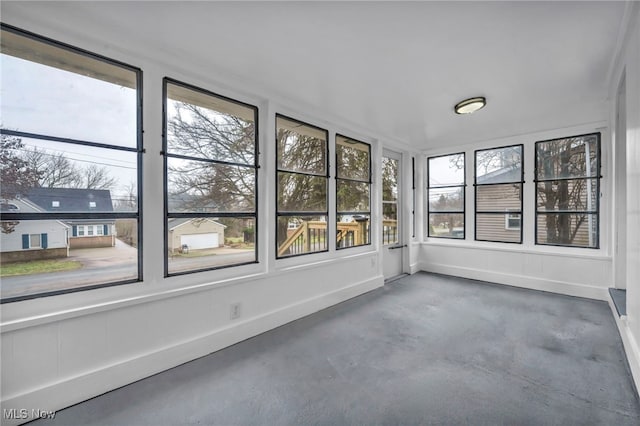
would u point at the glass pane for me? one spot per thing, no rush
(352, 230)
(53, 91)
(568, 229)
(301, 234)
(498, 197)
(498, 227)
(61, 177)
(389, 223)
(567, 195)
(199, 186)
(301, 193)
(447, 170)
(353, 196)
(499, 165)
(446, 225)
(66, 260)
(301, 148)
(389, 179)
(207, 126)
(567, 158)
(446, 199)
(352, 159)
(205, 243)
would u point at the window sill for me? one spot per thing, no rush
(555, 251)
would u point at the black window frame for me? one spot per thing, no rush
(496, 212)
(166, 155)
(597, 177)
(138, 150)
(368, 181)
(464, 196)
(327, 176)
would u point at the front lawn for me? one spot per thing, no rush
(38, 267)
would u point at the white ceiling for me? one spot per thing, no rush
(396, 68)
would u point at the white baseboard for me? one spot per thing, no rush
(414, 267)
(73, 390)
(631, 348)
(523, 281)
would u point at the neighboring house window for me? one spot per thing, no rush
(71, 126)
(567, 177)
(99, 229)
(446, 195)
(211, 164)
(34, 241)
(499, 176)
(8, 207)
(90, 230)
(302, 163)
(353, 192)
(513, 221)
(80, 230)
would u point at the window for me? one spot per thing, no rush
(34, 241)
(211, 164)
(81, 231)
(568, 191)
(71, 133)
(99, 229)
(446, 195)
(302, 157)
(92, 204)
(499, 176)
(513, 221)
(90, 230)
(353, 192)
(390, 179)
(8, 207)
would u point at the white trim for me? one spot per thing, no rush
(631, 348)
(71, 390)
(552, 251)
(515, 280)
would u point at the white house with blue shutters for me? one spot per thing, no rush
(33, 239)
(48, 239)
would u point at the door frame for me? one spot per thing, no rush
(398, 248)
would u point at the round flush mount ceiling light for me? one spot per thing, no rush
(470, 105)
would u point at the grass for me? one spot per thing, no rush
(38, 267)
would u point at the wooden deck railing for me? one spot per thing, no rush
(312, 236)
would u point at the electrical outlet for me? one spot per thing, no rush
(235, 310)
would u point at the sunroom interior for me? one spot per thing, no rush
(181, 177)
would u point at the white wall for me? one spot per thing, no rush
(629, 64)
(57, 351)
(573, 271)
(56, 234)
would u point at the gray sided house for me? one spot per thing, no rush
(499, 197)
(85, 233)
(194, 234)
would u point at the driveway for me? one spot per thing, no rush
(105, 256)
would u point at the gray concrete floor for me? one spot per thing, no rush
(425, 349)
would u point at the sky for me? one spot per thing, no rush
(36, 98)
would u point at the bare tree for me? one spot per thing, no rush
(96, 177)
(16, 176)
(55, 170)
